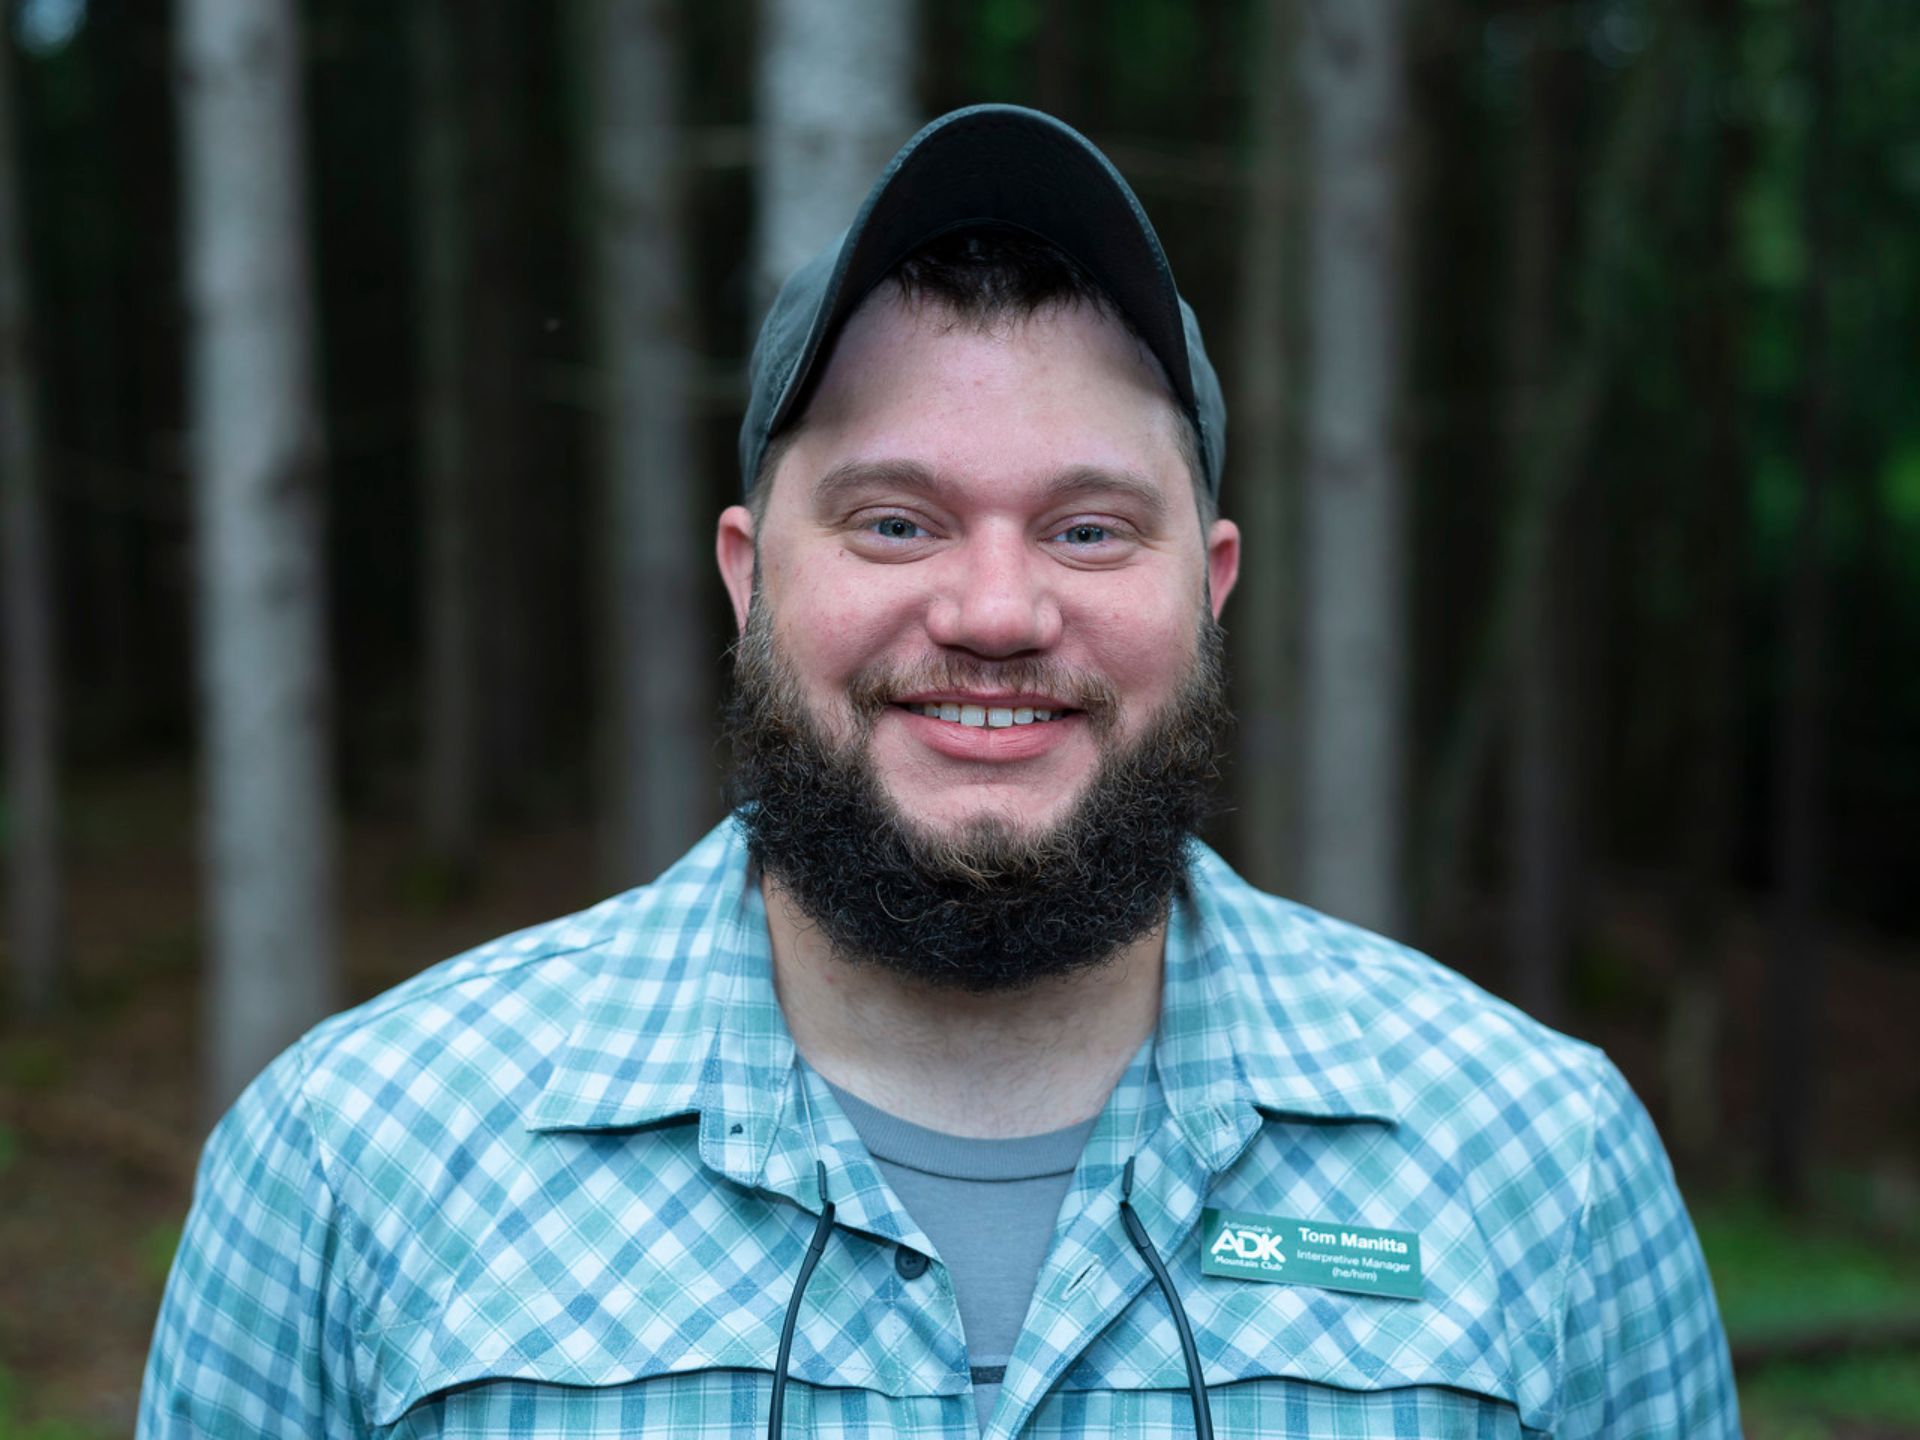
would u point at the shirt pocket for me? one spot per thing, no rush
(1306, 1362)
(582, 1348)
(1280, 1405)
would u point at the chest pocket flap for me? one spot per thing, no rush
(613, 1295)
(1310, 1341)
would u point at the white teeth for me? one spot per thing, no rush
(991, 717)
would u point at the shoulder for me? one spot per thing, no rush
(1444, 1045)
(480, 1033)
(507, 1003)
(407, 1103)
(429, 1087)
(378, 1171)
(1533, 1176)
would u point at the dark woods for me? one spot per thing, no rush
(1571, 368)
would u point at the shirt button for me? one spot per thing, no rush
(910, 1263)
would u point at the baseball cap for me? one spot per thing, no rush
(986, 165)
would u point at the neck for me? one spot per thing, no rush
(990, 1066)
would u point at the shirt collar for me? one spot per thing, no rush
(683, 1021)
(651, 1027)
(1257, 1004)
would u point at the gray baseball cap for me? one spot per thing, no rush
(986, 165)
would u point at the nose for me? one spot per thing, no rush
(995, 598)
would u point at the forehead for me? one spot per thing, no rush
(1002, 405)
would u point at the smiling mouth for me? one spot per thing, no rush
(986, 717)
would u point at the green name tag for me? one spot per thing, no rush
(1239, 1246)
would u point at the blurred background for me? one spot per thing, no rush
(369, 378)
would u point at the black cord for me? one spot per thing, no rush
(1136, 1232)
(815, 1248)
(1196, 1381)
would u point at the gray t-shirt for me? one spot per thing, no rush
(989, 1207)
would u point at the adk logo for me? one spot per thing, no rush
(1249, 1246)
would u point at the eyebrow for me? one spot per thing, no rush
(1077, 482)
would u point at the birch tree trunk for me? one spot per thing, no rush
(835, 97)
(1353, 679)
(450, 702)
(657, 730)
(1267, 630)
(32, 774)
(256, 464)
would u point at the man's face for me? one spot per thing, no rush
(998, 523)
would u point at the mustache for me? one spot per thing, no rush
(877, 686)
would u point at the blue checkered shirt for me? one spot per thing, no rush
(562, 1185)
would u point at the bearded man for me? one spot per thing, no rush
(951, 1085)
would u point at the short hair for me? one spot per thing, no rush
(984, 275)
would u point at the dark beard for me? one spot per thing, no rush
(989, 908)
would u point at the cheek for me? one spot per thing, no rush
(833, 623)
(1143, 649)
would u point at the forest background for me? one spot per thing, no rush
(369, 376)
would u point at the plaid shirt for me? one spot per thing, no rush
(562, 1185)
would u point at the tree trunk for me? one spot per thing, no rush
(1540, 810)
(1704, 866)
(1570, 405)
(450, 700)
(657, 732)
(256, 459)
(835, 97)
(32, 825)
(512, 518)
(1796, 973)
(1354, 671)
(1266, 610)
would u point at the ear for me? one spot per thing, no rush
(1223, 562)
(733, 548)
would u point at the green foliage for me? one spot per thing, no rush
(1155, 52)
(1007, 24)
(1001, 35)
(1609, 981)
(1900, 496)
(1787, 1402)
(1779, 1274)
(157, 1247)
(430, 886)
(1775, 500)
(33, 1064)
(14, 1427)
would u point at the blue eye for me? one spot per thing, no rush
(896, 527)
(1083, 534)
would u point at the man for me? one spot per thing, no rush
(951, 1085)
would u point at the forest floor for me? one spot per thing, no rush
(100, 1125)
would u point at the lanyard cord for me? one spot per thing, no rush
(815, 1248)
(1136, 1232)
(1189, 1350)
(1196, 1380)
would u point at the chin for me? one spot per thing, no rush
(935, 822)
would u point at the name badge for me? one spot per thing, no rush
(1236, 1245)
